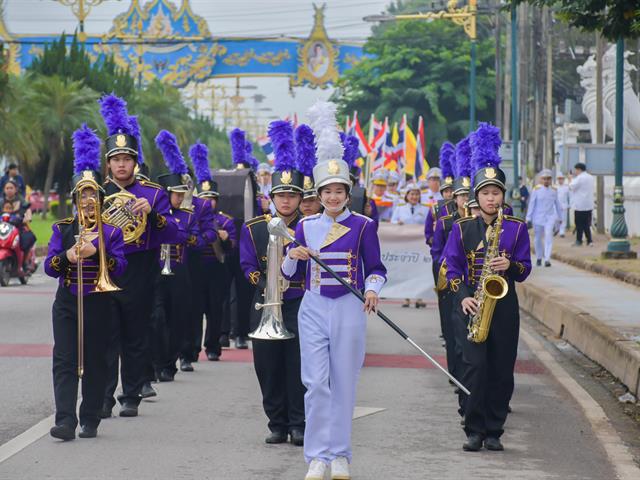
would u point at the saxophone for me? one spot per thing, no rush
(491, 288)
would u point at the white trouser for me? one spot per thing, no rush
(332, 347)
(563, 223)
(546, 231)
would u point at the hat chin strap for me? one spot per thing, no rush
(334, 209)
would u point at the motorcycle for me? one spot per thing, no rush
(9, 244)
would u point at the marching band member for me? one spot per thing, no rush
(411, 211)
(444, 205)
(489, 362)
(213, 253)
(452, 328)
(62, 263)
(545, 213)
(277, 362)
(200, 278)
(131, 315)
(305, 161)
(263, 175)
(378, 188)
(174, 288)
(332, 323)
(431, 194)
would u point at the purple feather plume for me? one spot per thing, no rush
(463, 158)
(168, 145)
(250, 159)
(114, 111)
(485, 143)
(305, 150)
(86, 150)
(135, 132)
(351, 149)
(447, 153)
(284, 149)
(199, 154)
(238, 150)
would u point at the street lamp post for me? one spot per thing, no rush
(515, 119)
(619, 246)
(466, 17)
(81, 10)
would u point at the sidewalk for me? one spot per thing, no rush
(596, 314)
(589, 258)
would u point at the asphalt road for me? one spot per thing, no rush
(210, 424)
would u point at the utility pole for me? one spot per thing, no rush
(548, 21)
(498, 67)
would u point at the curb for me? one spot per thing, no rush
(599, 342)
(598, 268)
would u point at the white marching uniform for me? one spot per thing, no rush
(564, 197)
(410, 214)
(332, 325)
(545, 213)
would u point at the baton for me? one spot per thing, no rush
(277, 227)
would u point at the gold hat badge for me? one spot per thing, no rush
(333, 168)
(490, 173)
(121, 141)
(285, 178)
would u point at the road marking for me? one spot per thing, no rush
(618, 453)
(25, 439)
(360, 412)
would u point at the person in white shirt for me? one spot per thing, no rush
(582, 190)
(431, 195)
(544, 213)
(411, 212)
(564, 199)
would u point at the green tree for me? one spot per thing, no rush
(421, 68)
(60, 107)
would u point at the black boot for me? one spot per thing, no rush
(105, 412)
(224, 340)
(493, 444)
(148, 391)
(88, 431)
(129, 409)
(63, 432)
(297, 437)
(213, 356)
(473, 443)
(276, 437)
(185, 365)
(166, 375)
(241, 343)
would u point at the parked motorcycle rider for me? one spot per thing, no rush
(20, 216)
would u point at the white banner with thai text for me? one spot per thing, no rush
(406, 255)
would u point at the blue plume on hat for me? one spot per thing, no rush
(199, 154)
(86, 150)
(351, 149)
(114, 111)
(281, 135)
(238, 148)
(168, 145)
(305, 150)
(135, 132)
(250, 159)
(447, 152)
(485, 143)
(463, 158)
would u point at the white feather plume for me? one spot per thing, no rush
(322, 119)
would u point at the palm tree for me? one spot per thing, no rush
(60, 107)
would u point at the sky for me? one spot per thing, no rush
(343, 21)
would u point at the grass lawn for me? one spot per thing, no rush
(42, 229)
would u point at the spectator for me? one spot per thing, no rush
(524, 195)
(582, 188)
(12, 173)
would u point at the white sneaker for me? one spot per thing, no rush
(340, 469)
(316, 470)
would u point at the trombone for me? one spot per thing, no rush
(87, 222)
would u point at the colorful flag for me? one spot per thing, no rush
(394, 149)
(380, 135)
(353, 128)
(421, 165)
(265, 144)
(410, 152)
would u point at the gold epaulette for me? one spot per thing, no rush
(226, 215)
(447, 217)
(466, 219)
(363, 216)
(185, 210)
(514, 219)
(149, 183)
(261, 218)
(304, 219)
(64, 221)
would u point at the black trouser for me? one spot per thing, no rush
(459, 322)
(217, 281)
(277, 364)
(489, 370)
(435, 269)
(192, 343)
(583, 225)
(446, 320)
(65, 356)
(244, 294)
(173, 298)
(131, 327)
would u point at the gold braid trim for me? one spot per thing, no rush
(521, 267)
(162, 222)
(454, 284)
(192, 240)
(254, 277)
(55, 263)
(111, 264)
